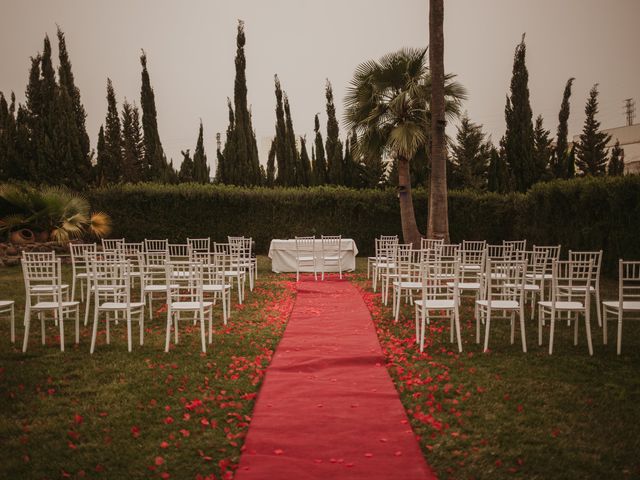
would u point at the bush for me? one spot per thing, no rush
(580, 214)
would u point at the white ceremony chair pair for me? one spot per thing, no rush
(111, 284)
(570, 294)
(439, 297)
(45, 292)
(372, 260)
(501, 297)
(628, 299)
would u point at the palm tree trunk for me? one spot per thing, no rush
(438, 225)
(410, 233)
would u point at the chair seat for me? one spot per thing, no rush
(54, 305)
(6, 303)
(233, 273)
(470, 268)
(333, 258)
(48, 288)
(465, 285)
(159, 288)
(384, 265)
(579, 288)
(305, 258)
(411, 285)
(215, 288)
(435, 304)
(499, 304)
(627, 305)
(539, 276)
(120, 305)
(563, 305)
(192, 306)
(82, 275)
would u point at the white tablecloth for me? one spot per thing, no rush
(283, 256)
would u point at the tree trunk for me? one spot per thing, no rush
(438, 225)
(410, 233)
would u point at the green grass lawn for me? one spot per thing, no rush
(148, 414)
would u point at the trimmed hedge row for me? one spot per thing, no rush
(580, 214)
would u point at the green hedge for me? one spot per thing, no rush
(579, 214)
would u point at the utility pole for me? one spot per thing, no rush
(630, 110)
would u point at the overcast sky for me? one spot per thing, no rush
(191, 47)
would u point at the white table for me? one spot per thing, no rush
(283, 256)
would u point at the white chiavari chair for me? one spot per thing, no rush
(331, 253)
(79, 266)
(594, 289)
(628, 299)
(111, 244)
(306, 255)
(372, 260)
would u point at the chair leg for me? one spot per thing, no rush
(513, 327)
(486, 330)
(13, 324)
(422, 329)
(417, 324)
(575, 330)
(598, 307)
(552, 329)
(211, 325)
(457, 322)
(77, 324)
(587, 323)
(27, 324)
(604, 326)
(61, 321)
(141, 322)
(202, 334)
(619, 343)
(42, 329)
(168, 335)
(86, 308)
(129, 342)
(540, 317)
(94, 333)
(522, 331)
(224, 305)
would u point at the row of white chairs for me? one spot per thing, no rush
(108, 277)
(330, 254)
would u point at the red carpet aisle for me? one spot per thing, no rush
(328, 408)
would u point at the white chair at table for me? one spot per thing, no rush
(628, 299)
(438, 299)
(79, 266)
(154, 276)
(46, 276)
(502, 292)
(8, 306)
(306, 255)
(229, 255)
(409, 277)
(111, 283)
(156, 245)
(111, 244)
(596, 258)
(247, 260)
(188, 297)
(331, 253)
(570, 286)
(372, 260)
(200, 245)
(214, 281)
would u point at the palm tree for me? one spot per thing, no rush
(438, 224)
(387, 105)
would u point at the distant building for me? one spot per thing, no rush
(629, 138)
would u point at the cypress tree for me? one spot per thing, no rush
(7, 137)
(333, 144)
(320, 164)
(296, 173)
(154, 158)
(271, 165)
(82, 157)
(66, 143)
(228, 164)
(34, 116)
(616, 164)
(542, 150)
(101, 161)
(372, 170)
(305, 163)
(498, 175)
(559, 166)
(285, 176)
(591, 150)
(187, 170)
(201, 170)
(112, 159)
(220, 165)
(518, 139)
(348, 169)
(133, 166)
(20, 169)
(470, 156)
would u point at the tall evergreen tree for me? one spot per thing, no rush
(320, 164)
(499, 179)
(559, 163)
(518, 145)
(349, 168)
(101, 161)
(296, 172)
(133, 165)
(7, 137)
(591, 150)
(542, 150)
(220, 164)
(305, 163)
(82, 157)
(201, 169)
(333, 145)
(20, 169)
(186, 173)
(286, 172)
(240, 151)
(34, 118)
(271, 165)
(470, 156)
(112, 160)
(616, 164)
(227, 169)
(154, 157)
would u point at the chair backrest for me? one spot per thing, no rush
(503, 280)
(42, 273)
(440, 279)
(111, 280)
(111, 244)
(79, 259)
(385, 248)
(388, 238)
(499, 252)
(594, 256)
(39, 256)
(516, 245)
(553, 254)
(199, 244)
(331, 244)
(629, 281)
(431, 243)
(214, 266)
(305, 246)
(474, 244)
(179, 251)
(130, 249)
(536, 262)
(571, 280)
(449, 251)
(188, 277)
(151, 245)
